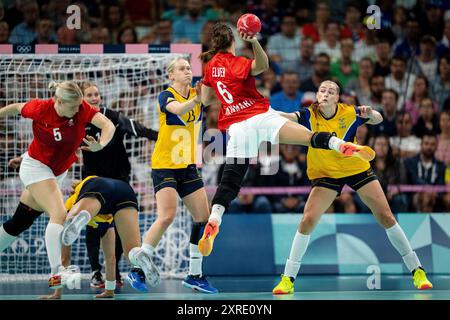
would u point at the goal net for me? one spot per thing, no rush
(127, 83)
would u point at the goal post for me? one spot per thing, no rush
(129, 83)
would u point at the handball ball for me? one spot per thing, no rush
(249, 24)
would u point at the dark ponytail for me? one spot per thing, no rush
(222, 39)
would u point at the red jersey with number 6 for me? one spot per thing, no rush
(56, 138)
(233, 84)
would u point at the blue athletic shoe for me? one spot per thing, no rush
(136, 279)
(199, 284)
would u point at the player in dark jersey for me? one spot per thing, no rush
(58, 129)
(111, 162)
(98, 196)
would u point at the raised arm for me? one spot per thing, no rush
(374, 116)
(11, 109)
(261, 61)
(209, 96)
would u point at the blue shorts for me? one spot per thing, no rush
(185, 181)
(114, 195)
(103, 227)
(355, 181)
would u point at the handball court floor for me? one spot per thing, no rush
(307, 287)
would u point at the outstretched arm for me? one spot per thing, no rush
(136, 129)
(293, 116)
(209, 96)
(261, 62)
(11, 109)
(180, 108)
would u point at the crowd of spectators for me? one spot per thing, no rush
(401, 69)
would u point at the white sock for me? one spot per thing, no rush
(335, 143)
(53, 245)
(217, 213)
(402, 245)
(298, 249)
(195, 260)
(149, 249)
(5, 239)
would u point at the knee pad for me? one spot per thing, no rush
(230, 184)
(320, 139)
(22, 219)
(197, 232)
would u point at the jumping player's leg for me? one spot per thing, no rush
(318, 202)
(293, 133)
(22, 219)
(373, 196)
(229, 186)
(108, 247)
(197, 204)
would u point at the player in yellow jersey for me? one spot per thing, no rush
(330, 171)
(174, 171)
(105, 199)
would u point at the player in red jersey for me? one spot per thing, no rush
(247, 116)
(58, 129)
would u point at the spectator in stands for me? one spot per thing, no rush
(405, 144)
(177, 12)
(321, 73)
(353, 27)
(292, 173)
(426, 62)
(289, 99)
(344, 69)
(271, 12)
(361, 85)
(45, 33)
(99, 35)
(424, 169)
(189, 27)
(114, 17)
(433, 20)
(269, 83)
(419, 93)
(162, 34)
(443, 46)
(316, 29)
(283, 47)
(330, 44)
(390, 172)
(306, 63)
(400, 80)
(383, 57)
(366, 47)
(399, 21)
(25, 32)
(440, 88)
(143, 12)
(4, 32)
(376, 93)
(428, 120)
(409, 45)
(127, 34)
(388, 126)
(443, 148)
(215, 10)
(206, 36)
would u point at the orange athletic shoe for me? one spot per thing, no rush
(205, 245)
(354, 150)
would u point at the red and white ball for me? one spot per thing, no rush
(249, 24)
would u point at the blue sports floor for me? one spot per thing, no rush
(307, 287)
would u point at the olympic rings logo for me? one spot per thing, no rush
(23, 48)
